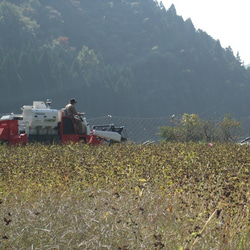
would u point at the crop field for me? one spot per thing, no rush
(171, 196)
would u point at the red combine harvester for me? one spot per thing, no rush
(40, 123)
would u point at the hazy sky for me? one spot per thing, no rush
(225, 20)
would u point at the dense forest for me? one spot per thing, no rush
(124, 57)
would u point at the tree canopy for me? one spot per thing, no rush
(123, 57)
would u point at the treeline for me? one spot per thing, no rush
(127, 58)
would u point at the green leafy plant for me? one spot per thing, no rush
(192, 128)
(229, 128)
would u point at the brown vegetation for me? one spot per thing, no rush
(172, 196)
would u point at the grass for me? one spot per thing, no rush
(173, 196)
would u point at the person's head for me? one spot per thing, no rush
(72, 101)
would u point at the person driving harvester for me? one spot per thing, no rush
(71, 111)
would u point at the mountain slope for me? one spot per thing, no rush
(126, 58)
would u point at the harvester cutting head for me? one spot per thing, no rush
(110, 132)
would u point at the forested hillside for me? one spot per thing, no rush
(122, 57)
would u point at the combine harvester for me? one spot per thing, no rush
(40, 123)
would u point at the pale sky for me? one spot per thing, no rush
(225, 20)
